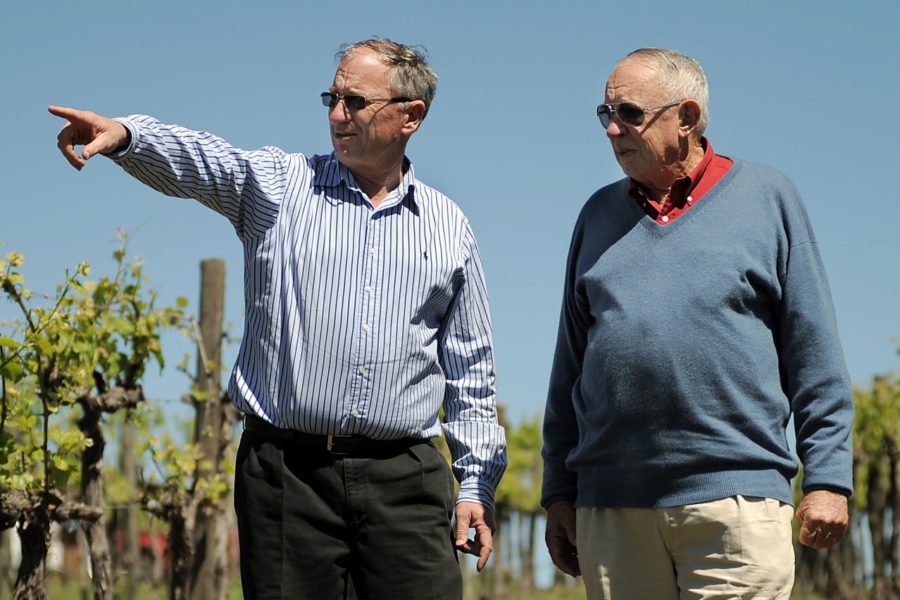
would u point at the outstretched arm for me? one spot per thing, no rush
(97, 134)
(247, 187)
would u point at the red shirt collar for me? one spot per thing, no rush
(682, 187)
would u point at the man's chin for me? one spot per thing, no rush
(341, 151)
(344, 157)
(623, 164)
(628, 167)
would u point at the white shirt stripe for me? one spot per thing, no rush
(358, 320)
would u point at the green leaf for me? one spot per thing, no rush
(61, 463)
(12, 371)
(44, 346)
(7, 342)
(120, 325)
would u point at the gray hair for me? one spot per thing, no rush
(411, 76)
(680, 76)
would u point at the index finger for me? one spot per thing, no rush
(61, 111)
(65, 112)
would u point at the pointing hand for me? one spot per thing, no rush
(98, 135)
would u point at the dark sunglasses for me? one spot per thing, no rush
(354, 102)
(627, 112)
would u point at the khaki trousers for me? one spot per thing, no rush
(736, 547)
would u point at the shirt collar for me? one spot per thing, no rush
(331, 173)
(682, 187)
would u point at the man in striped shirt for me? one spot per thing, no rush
(366, 313)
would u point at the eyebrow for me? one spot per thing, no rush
(351, 92)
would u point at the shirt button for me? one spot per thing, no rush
(690, 199)
(366, 327)
(369, 289)
(372, 251)
(665, 219)
(354, 413)
(362, 370)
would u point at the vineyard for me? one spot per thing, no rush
(102, 496)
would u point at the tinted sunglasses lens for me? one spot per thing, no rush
(329, 99)
(630, 114)
(603, 113)
(355, 102)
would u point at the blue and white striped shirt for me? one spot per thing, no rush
(359, 320)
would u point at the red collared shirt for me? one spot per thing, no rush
(685, 192)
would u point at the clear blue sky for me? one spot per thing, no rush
(809, 87)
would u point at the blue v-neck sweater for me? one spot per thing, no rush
(684, 349)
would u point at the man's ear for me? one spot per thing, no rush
(688, 116)
(415, 113)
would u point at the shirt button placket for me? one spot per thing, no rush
(366, 342)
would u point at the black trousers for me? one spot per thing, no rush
(308, 520)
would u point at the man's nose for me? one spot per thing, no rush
(615, 128)
(339, 113)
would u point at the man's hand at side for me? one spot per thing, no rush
(471, 515)
(98, 135)
(823, 517)
(560, 537)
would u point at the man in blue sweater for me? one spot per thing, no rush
(696, 321)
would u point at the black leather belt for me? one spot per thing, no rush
(351, 445)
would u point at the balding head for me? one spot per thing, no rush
(680, 78)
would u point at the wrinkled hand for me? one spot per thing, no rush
(823, 517)
(560, 537)
(471, 515)
(97, 134)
